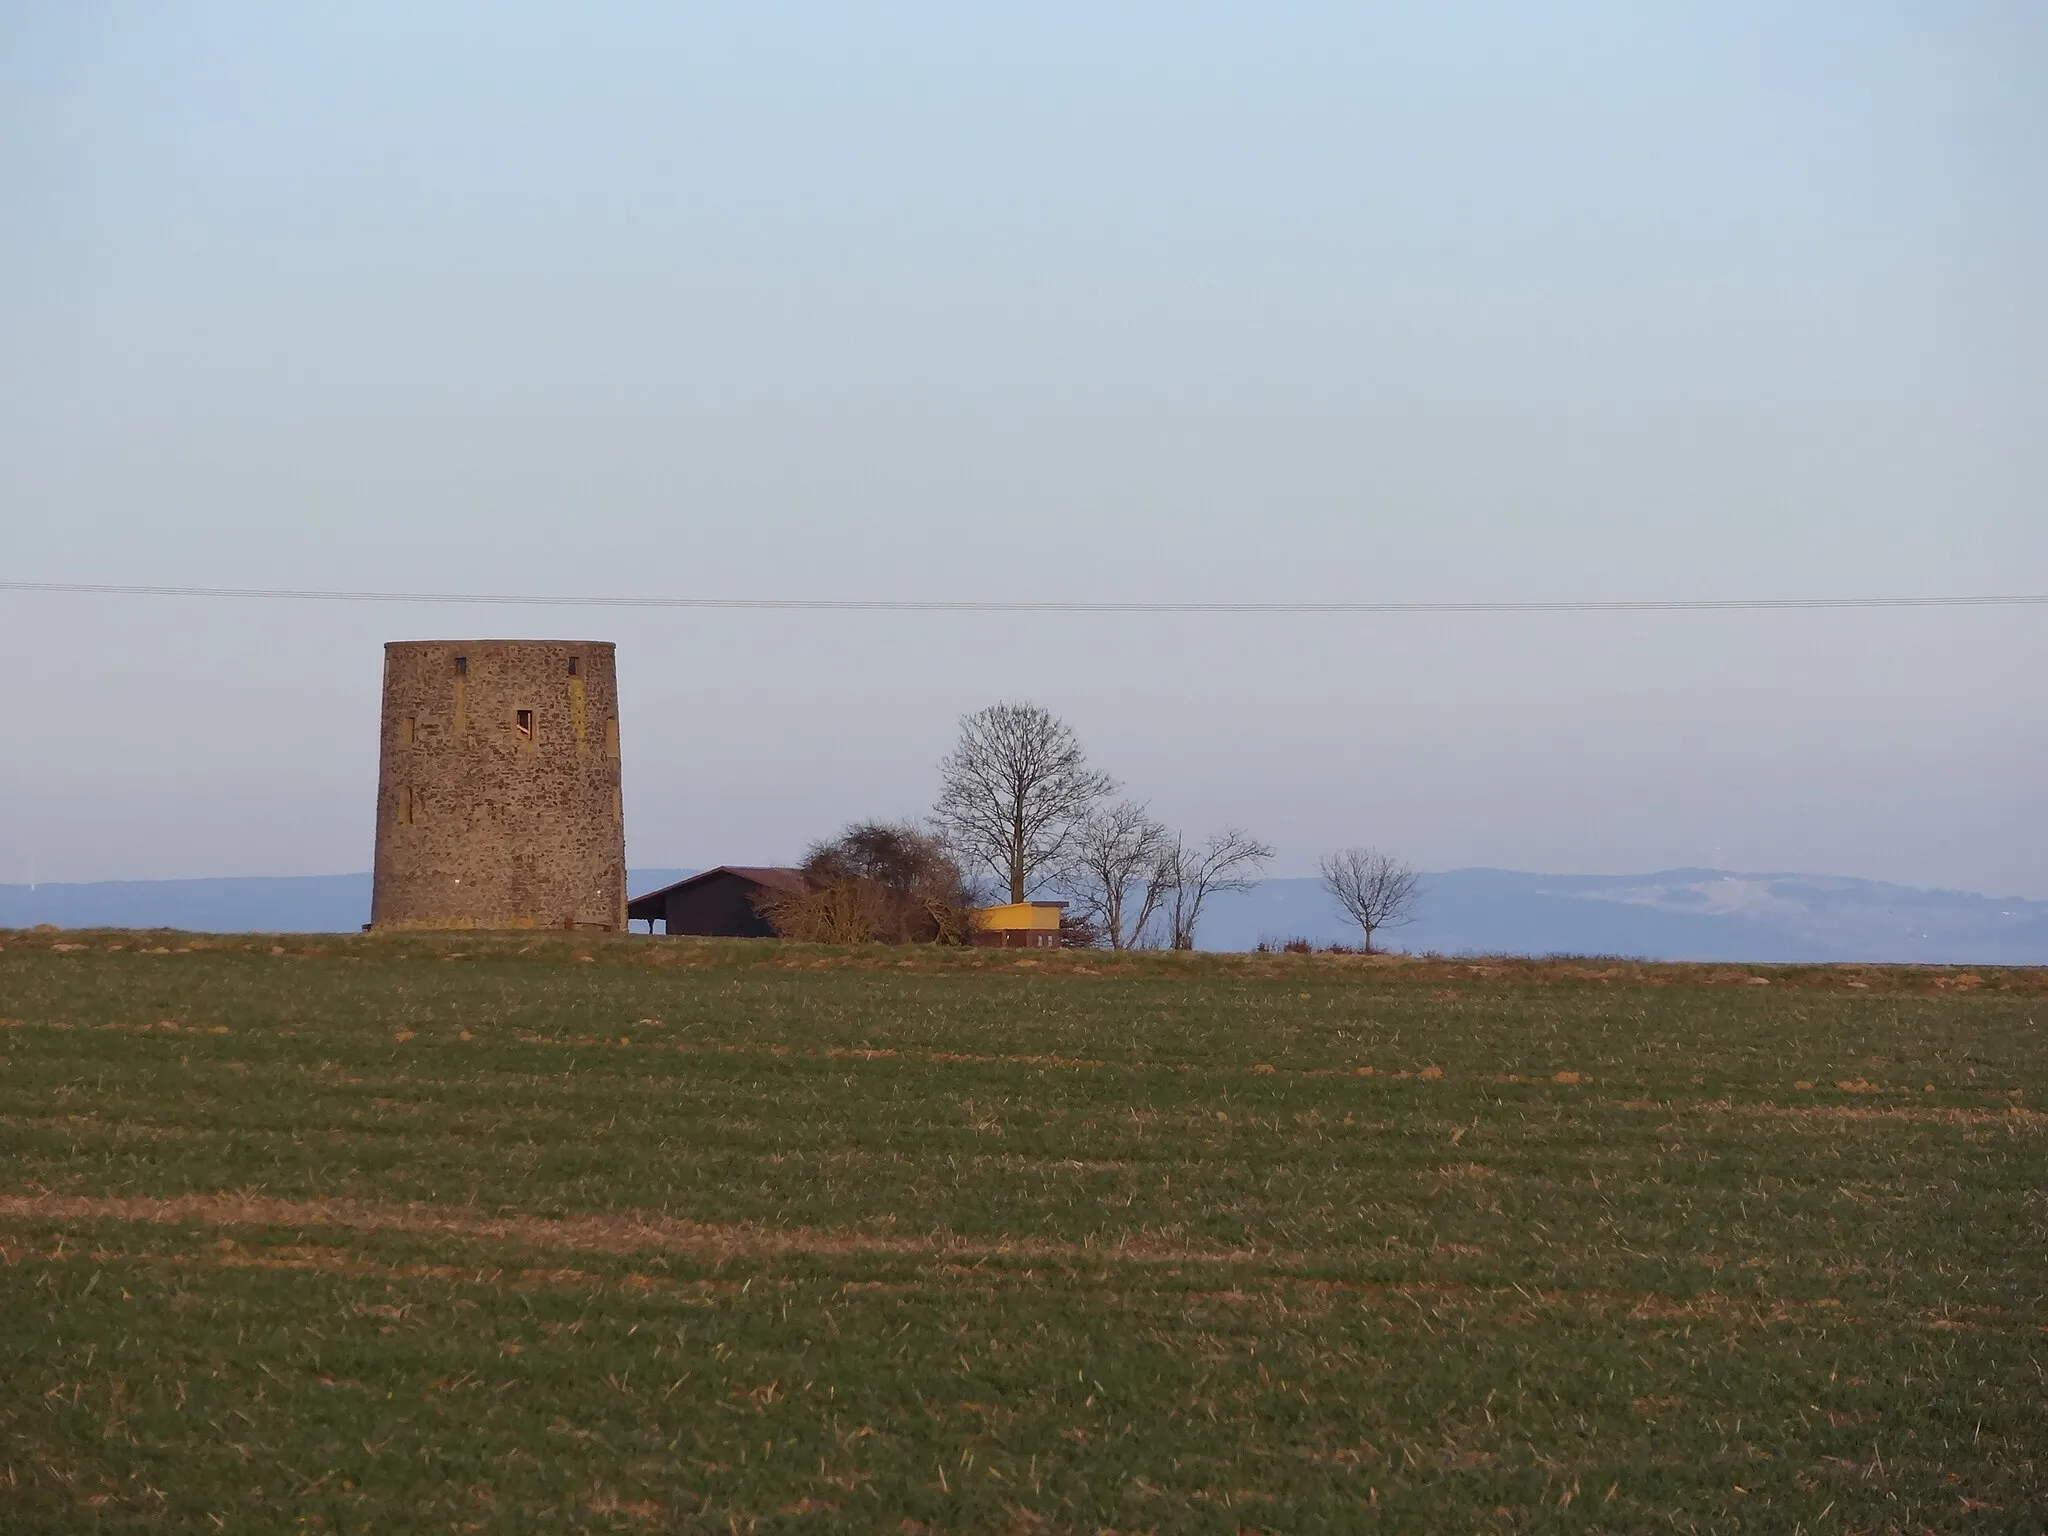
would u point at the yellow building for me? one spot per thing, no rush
(1019, 925)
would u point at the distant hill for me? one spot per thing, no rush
(1679, 914)
(257, 904)
(262, 904)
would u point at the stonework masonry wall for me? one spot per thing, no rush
(498, 787)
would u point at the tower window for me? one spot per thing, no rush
(572, 666)
(522, 722)
(405, 805)
(462, 666)
(407, 727)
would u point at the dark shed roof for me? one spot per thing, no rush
(654, 904)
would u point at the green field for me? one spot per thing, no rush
(493, 1234)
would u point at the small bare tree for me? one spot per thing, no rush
(1014, 792)
(1229, 861)
(1375, 889)
(1113, 873)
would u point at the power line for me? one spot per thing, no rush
(1054, 605)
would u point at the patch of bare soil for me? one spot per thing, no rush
(120, 1130)
(625, 1232)
(336, 1261)
(1429, 1303)
(2013, 1116)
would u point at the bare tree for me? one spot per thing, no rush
(1229, 861)
(1375, 889)
(1114, 872)
(1014, 792)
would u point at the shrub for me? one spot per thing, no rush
(1286, 946)
(876, 882)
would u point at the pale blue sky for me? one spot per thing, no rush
(1202, 301)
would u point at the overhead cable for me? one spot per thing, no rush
(1047, 605)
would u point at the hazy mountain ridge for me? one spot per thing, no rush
(246, 904)
(1678, 914)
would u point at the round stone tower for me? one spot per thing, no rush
(498, 787)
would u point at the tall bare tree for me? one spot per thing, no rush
(1229, 861)
(1014, 792)
(1114, 873)
(1376, 890)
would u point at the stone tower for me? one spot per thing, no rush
(498, 787)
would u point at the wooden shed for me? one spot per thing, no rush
(719, 903)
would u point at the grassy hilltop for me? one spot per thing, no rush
(530, 1233)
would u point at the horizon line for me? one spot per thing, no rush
(1461, 869)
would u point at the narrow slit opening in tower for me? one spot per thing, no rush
(522, 722)
(572, 666)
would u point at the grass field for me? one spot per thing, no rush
(538, 1234)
